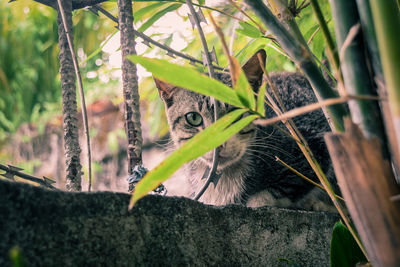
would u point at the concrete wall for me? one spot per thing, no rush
(96, 229)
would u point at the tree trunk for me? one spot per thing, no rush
(70, 121)
(130, 86)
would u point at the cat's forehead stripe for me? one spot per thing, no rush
(176, 121)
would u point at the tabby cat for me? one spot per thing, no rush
(249, 172)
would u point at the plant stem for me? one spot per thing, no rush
(46, 182)
(303, 59)
(303, 176)
(247, 16)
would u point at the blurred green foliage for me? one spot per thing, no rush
(28, 63)
(29, 79)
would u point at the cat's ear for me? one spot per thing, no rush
(252, 68)
(164, 89)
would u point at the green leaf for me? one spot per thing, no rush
(248, 30)
(157, 16)
(260, 100)
(16, 257)
(344, 249)
(210, 138)
(189, 79)
(143, 11)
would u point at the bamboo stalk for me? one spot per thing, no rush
(364, 10)
(367, 23)
(332, 52)
(386, 18)
(357, 79)
(303, 59)
(281, 11)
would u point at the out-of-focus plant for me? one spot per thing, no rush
(29, 79)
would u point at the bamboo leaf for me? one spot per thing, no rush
(248, 30)
(344, 249)
(210, 138)
(138, 15)
(157, 16)
(188, 79)
(260, 99)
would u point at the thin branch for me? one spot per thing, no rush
(14, 171)
(247, 15)
(225, 48)
(212, 174)
(148, 39)
(49, 3)
(313, 35)
(311, 107)
(81, 94)
(76, 4)
(202, 38)
(351, 36)
(303, 176)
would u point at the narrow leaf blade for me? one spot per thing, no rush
(248, 30)
(260, 100)
(157, 16)
(138, 15)
(344, 249)
(188, 79)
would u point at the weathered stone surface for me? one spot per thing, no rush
(96, 229)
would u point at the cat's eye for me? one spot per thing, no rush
(194, 118)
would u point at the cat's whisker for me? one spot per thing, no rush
(272, 147)
(260, 154)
